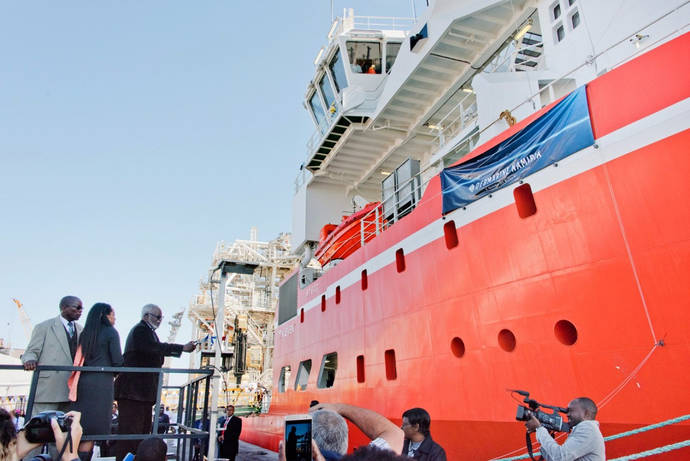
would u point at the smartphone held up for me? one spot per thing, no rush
(297, 438)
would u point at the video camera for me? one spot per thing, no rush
(553, 422)
(39, 430)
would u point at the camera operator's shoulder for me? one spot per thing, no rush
(590, 425)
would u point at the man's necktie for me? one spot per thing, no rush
(71, 329)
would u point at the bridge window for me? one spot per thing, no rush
(329, 365)
(318, 111)
(338, 72)
(328, 95)
(284, 378)
(392, 49)
(303, 375)
(556, 11)
(365, 57)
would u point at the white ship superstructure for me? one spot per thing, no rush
(388, 90)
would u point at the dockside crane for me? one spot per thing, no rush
(24, 318)
(175, 324)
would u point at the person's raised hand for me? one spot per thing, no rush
(189, 347)
(76, 430)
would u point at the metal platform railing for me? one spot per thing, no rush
(193, 409)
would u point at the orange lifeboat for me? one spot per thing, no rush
(339, 242)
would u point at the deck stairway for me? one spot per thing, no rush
(529, 52)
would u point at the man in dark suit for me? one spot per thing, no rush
(136, 393)
(230, 437)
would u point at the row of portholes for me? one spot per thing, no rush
(565, 333)
(329, 366)
(526, 206)
(564, 330)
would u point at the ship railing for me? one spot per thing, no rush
(378, 23)
(375, 222)
(456, 120)
(382, 23)
(314, 140)
(193, 405)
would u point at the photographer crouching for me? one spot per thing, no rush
(584, 442)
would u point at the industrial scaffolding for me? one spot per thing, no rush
(246, 336)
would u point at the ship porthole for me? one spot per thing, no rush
(565, 332)
(457, 346)
(506, 339)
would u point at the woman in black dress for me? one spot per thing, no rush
(100, 346)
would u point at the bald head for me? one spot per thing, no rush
(69, 300)
(588, 405)
(70, 308)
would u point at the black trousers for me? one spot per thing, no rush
(134, 418)
(229, 449)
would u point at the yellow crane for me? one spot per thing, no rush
(24, 318)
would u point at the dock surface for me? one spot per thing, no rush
(249, 452)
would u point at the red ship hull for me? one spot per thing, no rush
(608, 251)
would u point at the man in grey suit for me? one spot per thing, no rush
(54, 342)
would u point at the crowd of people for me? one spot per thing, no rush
(63, 341)
(97, 402)
(412, 439)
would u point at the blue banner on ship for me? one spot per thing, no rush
(562, 131)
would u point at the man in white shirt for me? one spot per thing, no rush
(584, 443)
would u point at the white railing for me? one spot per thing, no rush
(302, 177)
(373, 23)
(382, 23)
(455, 121)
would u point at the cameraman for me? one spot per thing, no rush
(584, 442)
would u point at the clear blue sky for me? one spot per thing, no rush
(134, 135)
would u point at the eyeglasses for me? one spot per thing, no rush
(157, 317)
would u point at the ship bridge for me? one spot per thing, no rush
(382, 96)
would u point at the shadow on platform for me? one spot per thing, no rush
(249, 452)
